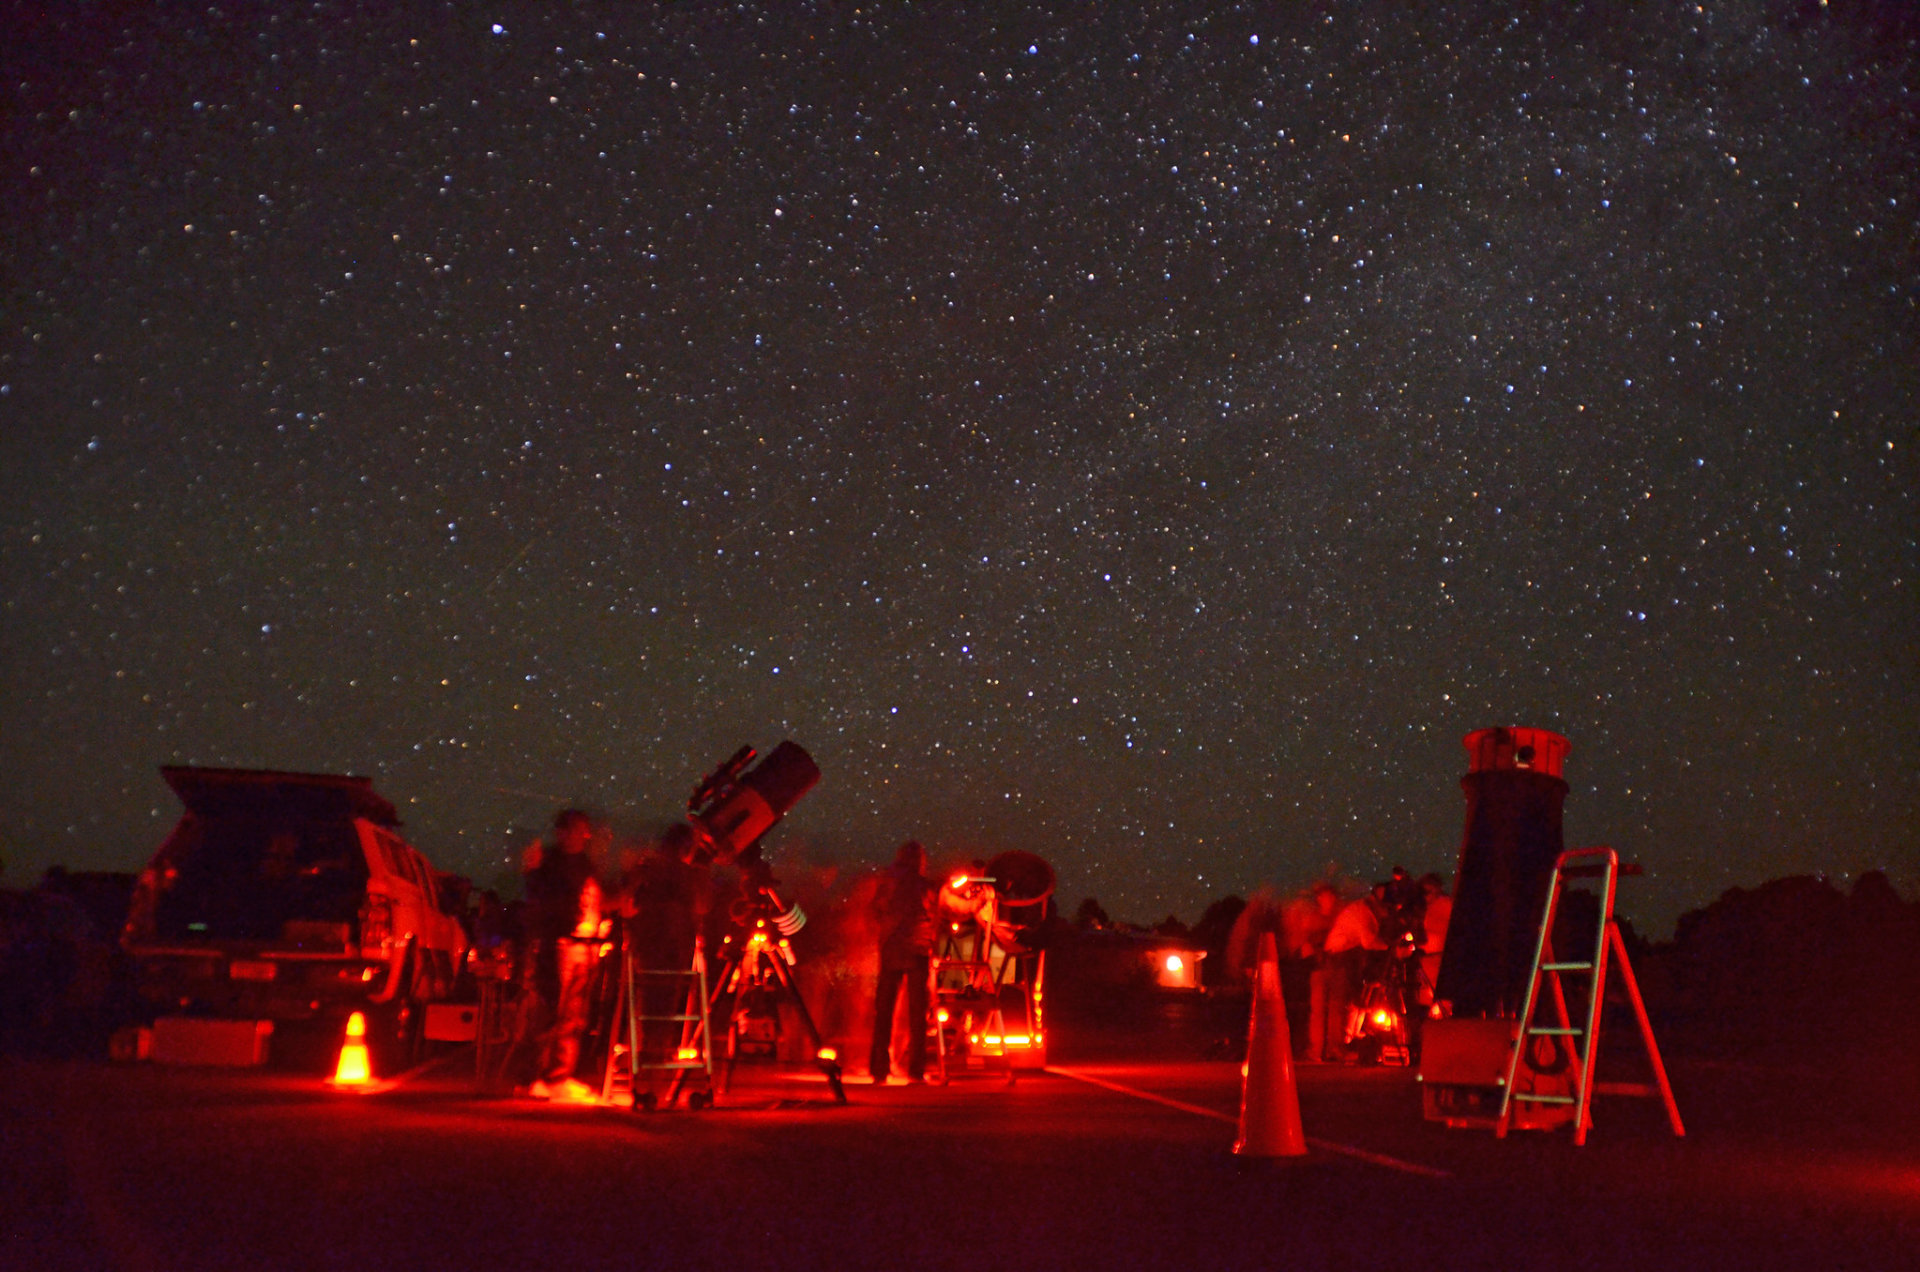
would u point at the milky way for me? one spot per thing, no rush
(1148, 440)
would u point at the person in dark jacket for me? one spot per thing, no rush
(903, 908)
(563, 921)
(667, 896)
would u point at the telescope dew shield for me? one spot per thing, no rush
(749, 807)
(1515, 797)
(783, 778)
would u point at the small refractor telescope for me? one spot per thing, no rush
(738, 803)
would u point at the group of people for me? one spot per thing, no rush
(1333, 949)
(661, 900)
(568, 917)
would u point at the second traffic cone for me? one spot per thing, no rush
(1269, 1100)
(354, 1069)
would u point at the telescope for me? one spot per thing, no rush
(730, 812)
(734, 806)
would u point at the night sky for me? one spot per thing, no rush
(1147, 439)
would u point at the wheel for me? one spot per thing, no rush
(643, 1101)
(697, 1100)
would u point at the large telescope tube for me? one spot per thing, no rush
(734, 806)
(1515, 793)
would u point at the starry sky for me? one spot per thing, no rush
(1147, 435)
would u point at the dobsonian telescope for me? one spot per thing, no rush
(1515, 792)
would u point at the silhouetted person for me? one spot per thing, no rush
(1351, 945)
(668, 895)
(903, 909)
(1435, 918)
(1306, 920)
(563, 920)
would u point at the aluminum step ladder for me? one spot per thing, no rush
(1581, 1040)
(631, 1071)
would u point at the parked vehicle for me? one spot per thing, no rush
(291, 896)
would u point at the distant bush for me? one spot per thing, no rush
(1793, 965)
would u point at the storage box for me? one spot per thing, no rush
(1463, 1068)
(1466, 1052)
(189, 1040)
(452, 1022)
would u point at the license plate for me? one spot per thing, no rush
(248, 969)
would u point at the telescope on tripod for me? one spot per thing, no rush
(752, 979)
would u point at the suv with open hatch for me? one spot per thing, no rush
(290, 897)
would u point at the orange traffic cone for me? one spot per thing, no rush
(354, 1069)
(1269, 1101)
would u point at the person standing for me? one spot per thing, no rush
(563, 919)
(1353, 940)
(1434, 920)
(903, 909)
(1306, 920)
(667, 896)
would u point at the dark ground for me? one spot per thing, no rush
(139, 1167)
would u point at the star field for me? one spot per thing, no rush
(1146, 439)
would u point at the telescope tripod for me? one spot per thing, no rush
(754, 976)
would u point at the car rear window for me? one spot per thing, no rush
(248, 878)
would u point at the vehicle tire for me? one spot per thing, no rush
(397, 1029)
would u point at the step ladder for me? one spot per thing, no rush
(1580, 1042)
(631, 1072)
